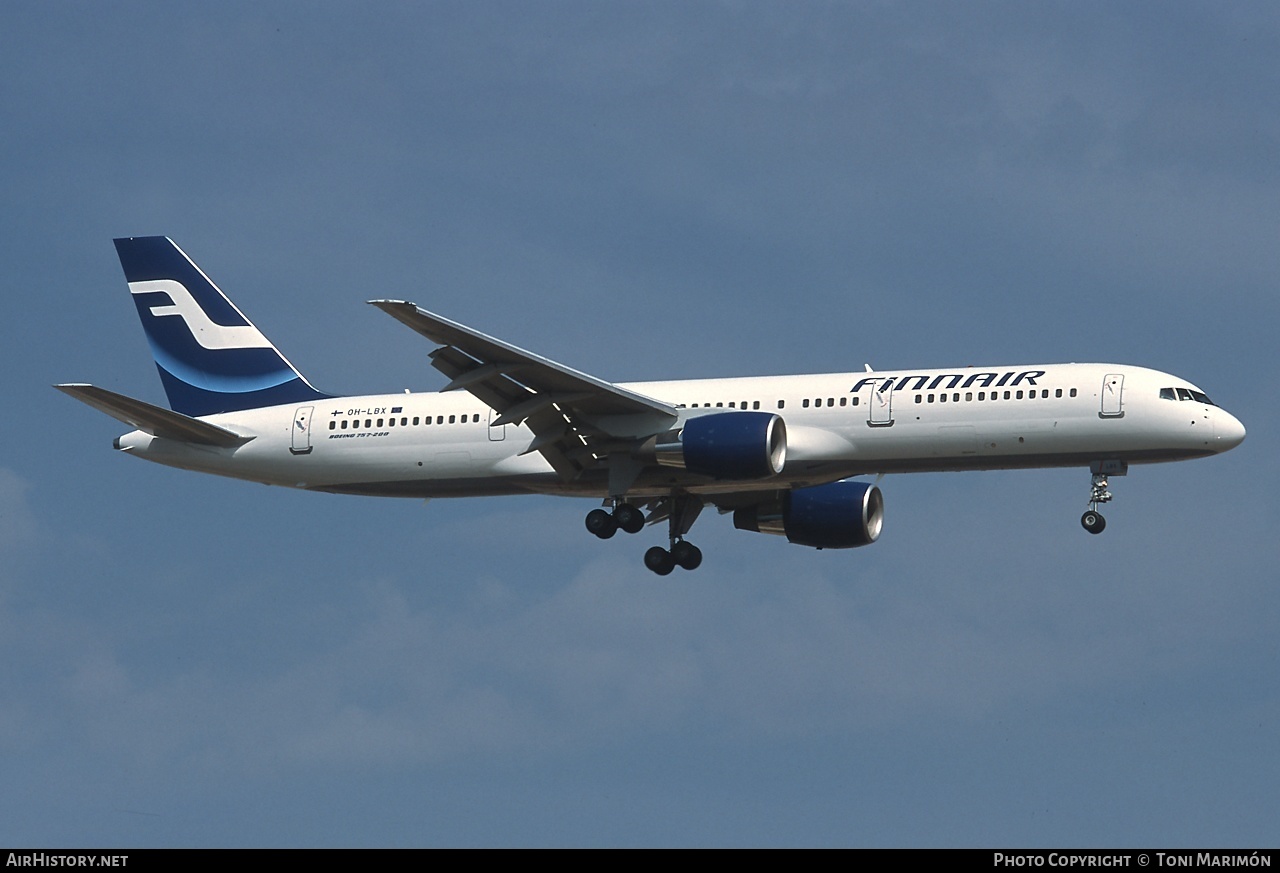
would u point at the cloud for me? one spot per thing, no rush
(778, 643)
(17, 522)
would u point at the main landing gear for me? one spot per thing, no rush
(624, 517)
(683, 554)
(679, 510)
(1092, 520)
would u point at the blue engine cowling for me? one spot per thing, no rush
(838, 515)
(727, 445)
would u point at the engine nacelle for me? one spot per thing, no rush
(726, 445)
(838, 515)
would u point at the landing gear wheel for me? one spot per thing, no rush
(601, 523)
(1093, 521)
(628, 518)
(659, 561)
(686, 555)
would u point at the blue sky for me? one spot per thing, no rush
(641, 191)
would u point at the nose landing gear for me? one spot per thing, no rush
(1092, 520)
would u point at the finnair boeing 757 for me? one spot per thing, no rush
(779, 452)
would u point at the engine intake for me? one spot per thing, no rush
(838, 515)
(726, 445)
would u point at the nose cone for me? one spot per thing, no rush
(1228, 431)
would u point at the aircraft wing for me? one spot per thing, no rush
(572, 415)
(154, 420)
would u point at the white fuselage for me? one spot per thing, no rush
(838, 425)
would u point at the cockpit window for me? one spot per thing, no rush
(1185, 394)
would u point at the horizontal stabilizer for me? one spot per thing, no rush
(154, 420)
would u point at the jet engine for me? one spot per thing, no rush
(726, 445)
(838, 515)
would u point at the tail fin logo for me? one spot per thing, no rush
(204, 330)
(211, 358)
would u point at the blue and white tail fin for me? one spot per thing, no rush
(211, 358)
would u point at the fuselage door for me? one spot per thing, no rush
(1112, 396)
(301, 440)
(880, 405)
(496, 433)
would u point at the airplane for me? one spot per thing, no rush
(780, 453)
